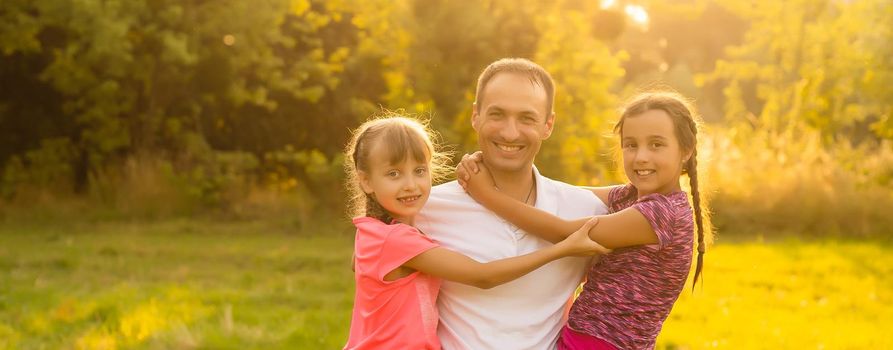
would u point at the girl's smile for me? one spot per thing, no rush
(652, 156)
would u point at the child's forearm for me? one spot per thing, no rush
(498, 272)
(530, 219)
(452, 266)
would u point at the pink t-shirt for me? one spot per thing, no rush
(398, 314)
(629, 293)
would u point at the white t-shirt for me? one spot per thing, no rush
(527, 313)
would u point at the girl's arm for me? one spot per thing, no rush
(452, 266)
(601, 192)
(621, 229)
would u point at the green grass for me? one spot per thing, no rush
(217, 285)
(175, 284)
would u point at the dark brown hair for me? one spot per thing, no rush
(403, 137)
(537, 75)
(685, 125)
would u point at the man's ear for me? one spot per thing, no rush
(550, 125)
(475, 117)
(365, 183)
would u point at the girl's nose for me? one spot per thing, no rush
(409, 183)
(642, 155)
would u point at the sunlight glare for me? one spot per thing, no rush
(637, 14)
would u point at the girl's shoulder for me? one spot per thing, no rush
(671, 209)
(376, 227)
(621, 197)
(678, 199)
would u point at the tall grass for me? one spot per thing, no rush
(231, 185)
(799, 183)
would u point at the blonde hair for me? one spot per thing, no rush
(404, 137)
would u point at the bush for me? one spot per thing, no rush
(795, 182)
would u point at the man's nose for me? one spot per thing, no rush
(509, 130)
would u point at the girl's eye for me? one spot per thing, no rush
(629, 145)
(421, 171)
(392, 173)
(656, 144)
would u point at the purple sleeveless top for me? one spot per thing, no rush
(630, 292)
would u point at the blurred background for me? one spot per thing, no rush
(172, 169)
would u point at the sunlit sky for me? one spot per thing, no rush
(636, 13)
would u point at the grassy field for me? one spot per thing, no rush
(218, 285)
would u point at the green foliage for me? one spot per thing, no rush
(232, 106)
(41, 168)
(803, 65)
(585, 70)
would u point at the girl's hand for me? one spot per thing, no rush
(473, 175)
(579, 243)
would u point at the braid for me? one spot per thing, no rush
(692, 170)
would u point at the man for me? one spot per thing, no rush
(512, 115)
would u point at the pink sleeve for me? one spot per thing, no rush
(402, 243)
(658, 210)
(619, 197)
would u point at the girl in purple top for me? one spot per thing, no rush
(628, 293)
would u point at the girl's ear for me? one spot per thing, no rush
(365, 183)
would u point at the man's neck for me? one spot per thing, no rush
(517, 184)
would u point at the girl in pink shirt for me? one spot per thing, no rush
(628, 293)
(390, 163)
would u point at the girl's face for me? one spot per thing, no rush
(401, 189)
(652, 157)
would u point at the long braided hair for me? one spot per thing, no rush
(685, 125)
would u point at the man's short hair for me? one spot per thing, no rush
(536, 73)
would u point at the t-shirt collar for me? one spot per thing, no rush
(545, 194)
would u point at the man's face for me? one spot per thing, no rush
(511, 122)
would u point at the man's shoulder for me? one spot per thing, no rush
(448, 188)
(448, 194)
(574, 199)
(567, 190)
